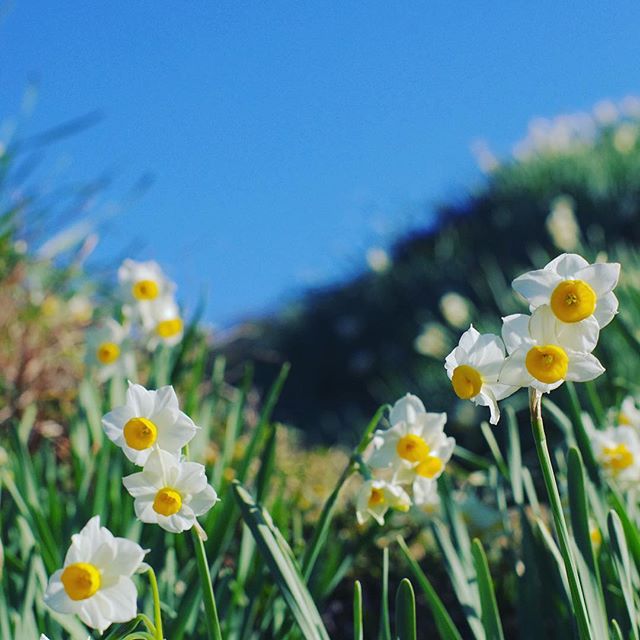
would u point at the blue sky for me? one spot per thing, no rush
(285, 138)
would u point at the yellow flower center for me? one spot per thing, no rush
(573, 300)
(596, 537)
(80, 580)
(169, 328)
(412, 448)
(429, 467)
(617, 458)
(376, 498)
(548, 364)
(167, 502)
(140, 433)
(145, 290)
(624, 420)
(466, 381)
(108, 352)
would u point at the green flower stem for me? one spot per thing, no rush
(156, 604)
(355, 462)
(213, 624)
(540, 438)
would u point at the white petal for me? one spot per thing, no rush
(142, 484)
(128, 557)
(56, 597)
(602, 277)
(515, 331)
(487, 356)
(514, 371)
(543, 326)
(203, 501)
(583, 367)
(468, 338)
(579, 336)
(567, 264)
(406, 409)
(606, 309)
(487, 399)
(121, 598)
(500, 391)
(140, 400)
(536, 286)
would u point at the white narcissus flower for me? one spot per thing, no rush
(162, 322)
(576, 291)
(149, 420)
(170, 492)
(109, 351)
(376, 497)
(95, 581)
(617, 449)
(415, 444)
(473, 368)
(142, 282)
(540, 356)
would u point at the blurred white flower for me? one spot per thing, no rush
(170, 492)
(109, 350)
(562, 224)
(425, 495)
(376, 497)
(141, 283)
(473, 368)
(378, 260)
(577, 292)
(432, 341)
(542, 356)
(629, 414)
(149, 420)
(162, 322)
(455, 309)
(617, 449)
(95, 581)
(625, 137)
(80, 309)
(605, 112)
(414, 445)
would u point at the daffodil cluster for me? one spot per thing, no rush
(95, 581)
(407, 459)
(570, 300)
(150, 315)
(152, 431)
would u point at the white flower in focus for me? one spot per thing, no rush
(149, 420)
(542, 356)
(617, 449)
(473, 368)
(414, 445)
(109, 351)
(577, 292)
(170, 492)
(142, 282)
(376, 497)
(162, 322)
(95, 581)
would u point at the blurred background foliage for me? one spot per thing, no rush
(573, 184)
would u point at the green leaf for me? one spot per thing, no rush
(490, 615)
(358, 629)
(384, 632)
(282, 566)
(446, 626)
(622, 563)
(583, 549)
(405, 612)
